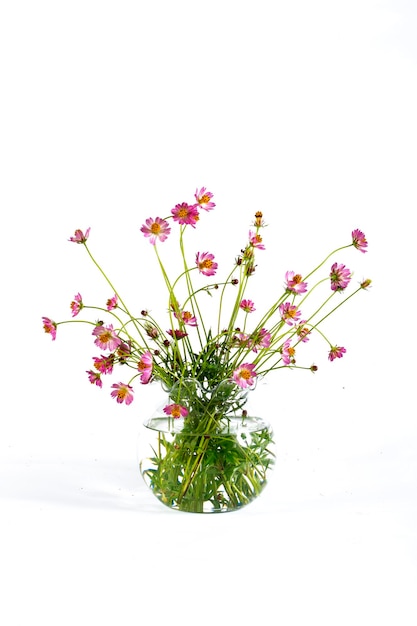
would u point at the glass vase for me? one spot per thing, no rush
(214, 459)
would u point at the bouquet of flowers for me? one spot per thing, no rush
(208, 448)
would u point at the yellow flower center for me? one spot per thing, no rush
(186, 316)
(155, 228)
(183, 212)
(207, 263)
(105, 336)
(297, 279)
(122, 393)
(245, 373)
(175, 411)
(204, 199)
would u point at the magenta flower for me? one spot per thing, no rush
(259, 340)
(104, 364)
(288, 353)
(340, 277)
(205, 263)
(188, 318)
(244, 375)
(255, 240)
(155, 229)
(175, 410)
(122, 393)
(145, 367)
(76, 305)
(106, 338)
(95, 378)
(178, 334)
(241, 340)
(336, 352)
(186, 214)
(79, 236)
(112, 303)
(294, 283)
(289, 313)
(203, 198)
(359, 240)
(49, 327)
(303, 331)
(248, 306)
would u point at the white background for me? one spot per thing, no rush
(114, 112)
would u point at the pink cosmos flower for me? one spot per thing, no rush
(122, 393)
(145, 367)
(112, 303)
(203, 198)
(95, 378)
(186, 214)
(340, 277)
(288, 353)
(359, 240)
(49, 327)
(205, 263)
(336, 352)
(188, 318)
(241, 340)
(106, 338)
(76, 305)
(123, 350)
(247, 306)
(155, 229)
(104, 364)
(244, 375)
(255, 240)
(178, 334)
(303, 331)
(289, 313)
(294, 283)
(175, 410)
(261, 339)
(79, 236)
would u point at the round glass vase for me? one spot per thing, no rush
(214, 459)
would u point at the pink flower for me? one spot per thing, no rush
(244, 375)
(340, 277)
(185, 214)
(106, 337)
(336, 352)
(49, 327)
(255, 240)
(261, 339)
(104, 364)
(295, 283)
(303, 331)
(288, 353)
(241, 340)
(203, 198)
(122, 393)
(175, 410)
(289, 313)
(178, 334)
(145, 367)
(76, 305)
(359, 240)
(112, 303)
(155, 229)
(205, 263)
(248, 306)
(79, 237)
(95, 378)
(188, 318)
